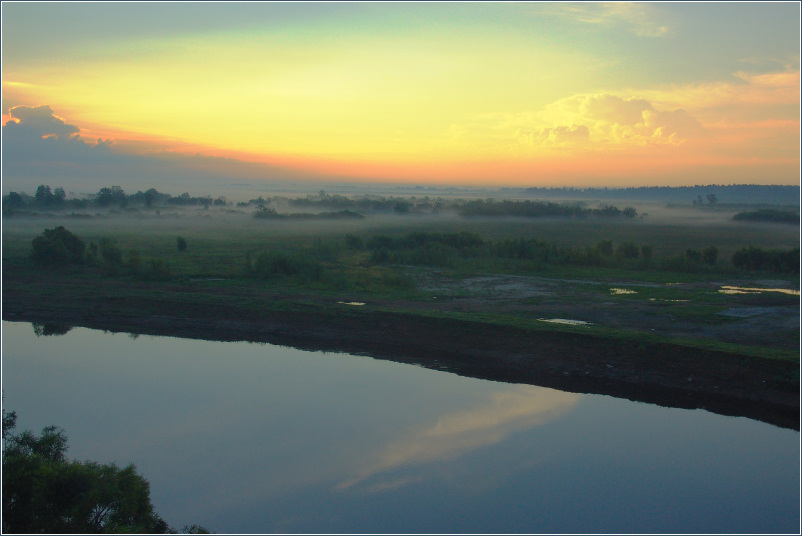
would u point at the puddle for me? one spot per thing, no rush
(747, 312)
(565, 321)
(617, 291)
(351, 302)
(727, 289)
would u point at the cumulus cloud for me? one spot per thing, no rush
(613, 119)
(600, 121)
(557, 136)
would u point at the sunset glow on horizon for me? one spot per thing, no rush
(506, 94)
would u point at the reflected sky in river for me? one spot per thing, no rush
(245, 437)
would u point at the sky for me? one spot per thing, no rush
(482, 93)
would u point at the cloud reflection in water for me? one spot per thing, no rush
(457, 433)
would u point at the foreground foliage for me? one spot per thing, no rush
(43, 492)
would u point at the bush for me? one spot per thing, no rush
(111, 256)
(354, 242)
(134, 262)
(181, 243)
(278, 264)
(157, 270)
(752, 258)
(709, 255)
(628, 250)
(57, 248)
(605, 247)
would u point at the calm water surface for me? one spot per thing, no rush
(254, 438)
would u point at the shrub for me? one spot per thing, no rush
(752, 258)
(278, 264)
(628, 250)
(134, 263)
(57, 248)
(709, 255)
(605, 247)
(354, 242)
(111, 256)
(157, 270)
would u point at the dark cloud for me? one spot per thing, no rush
(43, 148)
(39, 121)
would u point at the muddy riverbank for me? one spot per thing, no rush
(659, 373)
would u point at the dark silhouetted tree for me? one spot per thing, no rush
(111, 256)
(43, 196)
(110, 196)
(57, 248)
(693, 255)
(709, 255)
(43, 492)
(605, 247)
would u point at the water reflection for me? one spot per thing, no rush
(455, 433)
(567, 321)
(248, 438)
(728, 289)
(617, 291)
(50, 328)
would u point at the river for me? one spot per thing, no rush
(254, 438)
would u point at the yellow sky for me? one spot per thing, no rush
(478, 93)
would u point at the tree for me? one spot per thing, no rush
(13, 200)
(59, 196)
(710, 254)
(110, 196)
(43, 492)
(134, 262)
(605, 247)
(712, 199)
(181, 243)
(57, 248)
(111, 255)
(628, 250)
(43, 196)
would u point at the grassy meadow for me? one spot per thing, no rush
(500, 271)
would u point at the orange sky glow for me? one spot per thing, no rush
(528, 94)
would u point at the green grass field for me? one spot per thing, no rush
(316, 263)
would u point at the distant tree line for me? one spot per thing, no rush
(425, 205)
(768, 215)
(343, 203)
(450, 250)
(343, 207)
(114, 196)
(539, 209)
(724, 193)
(267, 213)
